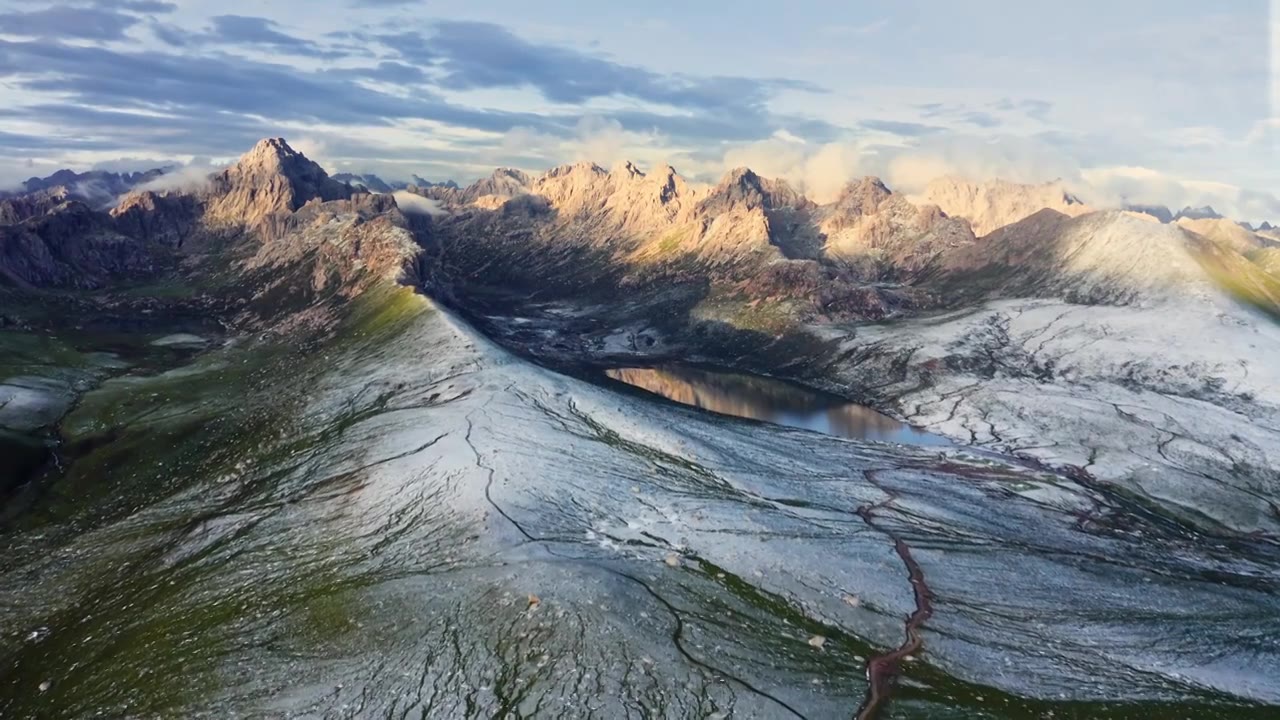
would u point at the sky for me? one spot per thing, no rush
(1145, 101)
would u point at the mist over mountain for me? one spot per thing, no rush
(94, 187)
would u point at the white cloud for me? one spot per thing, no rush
(418, 205)
(822, 170)
(192, 177)
(1143, 185)
(314, 148)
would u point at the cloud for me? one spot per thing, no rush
(475, 55)
(410, 45)
(132, 164)
(1142, 185)
(191, 177)
(387, 71)
(1030, 107)
(819, 171)
(980, 119)
(316, 149)
(243, 31)
(600, 140)
(190, 86)
(839, 31)
(140, 6)
(61, 21)
(907, 129)
(418, 205)
(261, 32)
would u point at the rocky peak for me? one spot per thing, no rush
(670, 185)
(273, 157)
(862, 197)
(627, 170)
(271, 178)
(580, 168)
(1198, 213)
(742, 189)
(502, 183)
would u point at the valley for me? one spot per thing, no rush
(327, 453)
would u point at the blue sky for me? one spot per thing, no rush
(1169, 101)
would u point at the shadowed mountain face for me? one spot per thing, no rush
(269, 449)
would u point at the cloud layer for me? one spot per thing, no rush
(1164, 102)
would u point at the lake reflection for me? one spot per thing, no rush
(772, 401)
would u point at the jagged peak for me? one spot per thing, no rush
(740, 176)
(271, 178)
(863, 186)
(510, 172)
(274, 156)
(1204, 212)
(582, 166)
(269, 152)
(627, 169)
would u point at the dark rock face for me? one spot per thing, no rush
(24, 207)
(73, 247)
(1159, 212)
(424, 183)
(1197, 213)
(166, 219)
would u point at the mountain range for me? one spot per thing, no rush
(747, 273)
(358, 452)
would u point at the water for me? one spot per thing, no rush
(768, 400)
